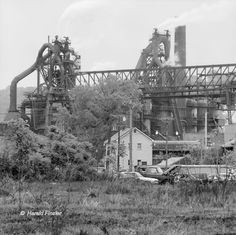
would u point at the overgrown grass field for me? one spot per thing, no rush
(117, 207)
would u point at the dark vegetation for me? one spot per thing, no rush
(28, 156)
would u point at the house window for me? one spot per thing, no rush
(144, 163)
(128, 162)
(139, 146)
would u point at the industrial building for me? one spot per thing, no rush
(180, 102)
(179, 116)
(56, 65)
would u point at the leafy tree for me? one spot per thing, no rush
(63, 119)
(211, 156)
(17, 162)
(70, 159)
(27, 155)
(20, 143)
(230, 159)
(63, 148)
(96, 109)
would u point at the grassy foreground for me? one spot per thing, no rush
(117, 207)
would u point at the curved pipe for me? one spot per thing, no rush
(13, 87)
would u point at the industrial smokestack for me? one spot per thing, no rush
(180, 45)
(180, 60)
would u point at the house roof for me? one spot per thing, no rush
(125, 132)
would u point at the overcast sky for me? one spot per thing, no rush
(110, 34)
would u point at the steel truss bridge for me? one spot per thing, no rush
(175, 82)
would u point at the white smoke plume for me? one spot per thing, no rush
(204, 13)
(213, 12)
(173, 56)
(80, 6)
(75, 16)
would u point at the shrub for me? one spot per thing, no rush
(216, 193)
(105, 176)
(56, 156)
(5, 164)
(117, 187)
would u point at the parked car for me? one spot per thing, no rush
(154, 171)
(177, 173)
(138, 176)
(149, 170)
(229, 175)
(203, 173)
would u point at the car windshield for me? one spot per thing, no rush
(152, 170)
(138, 175)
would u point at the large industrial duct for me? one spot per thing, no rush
(31, 69)
(40, 60)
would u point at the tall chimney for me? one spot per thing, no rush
(180, 60)
(180, 45)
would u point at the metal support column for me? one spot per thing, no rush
(228, 102)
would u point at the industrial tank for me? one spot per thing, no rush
(191, 115)
(201, 109)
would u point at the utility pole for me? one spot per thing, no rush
(130, 139)
(201, 151)
(166, 122)
(166, 144)
(118, 150)
(206, 129)
(121, 119)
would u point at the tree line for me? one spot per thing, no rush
(67, 150)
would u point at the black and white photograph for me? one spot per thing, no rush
(118, 117)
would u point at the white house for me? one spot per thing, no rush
(141, 149)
